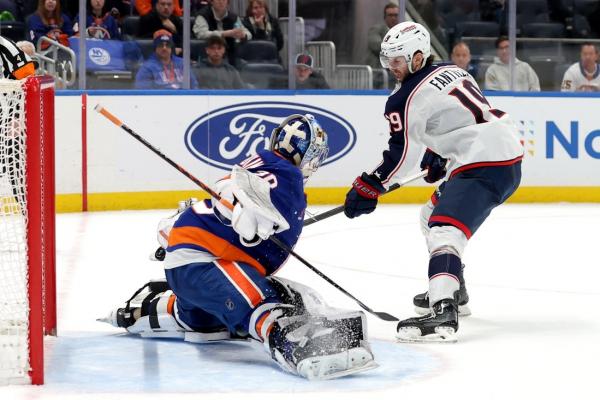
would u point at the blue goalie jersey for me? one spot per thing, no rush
(199, 235)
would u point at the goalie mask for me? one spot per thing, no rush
(300, 139)
(403, 41)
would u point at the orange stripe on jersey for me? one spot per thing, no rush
(171, 303)
(260, 323)
(269, 329)
(25, 71)
(218, 246)
(240, 280)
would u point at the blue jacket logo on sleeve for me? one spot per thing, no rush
(226, 136)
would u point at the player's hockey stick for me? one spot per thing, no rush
(334, 211)
(382, 315)
(156, 151)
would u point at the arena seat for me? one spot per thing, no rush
(130, 27)
(262, 75)
(543, 30)
(257, 51)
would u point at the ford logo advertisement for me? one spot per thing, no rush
(229, 135)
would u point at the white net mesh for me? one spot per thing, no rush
(14, 305)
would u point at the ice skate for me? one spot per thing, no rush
(440, 325)
(421, 301)
(119, 318)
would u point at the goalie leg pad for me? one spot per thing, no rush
(333, 366)
(149, 312)
(322, 347)
(304, 299)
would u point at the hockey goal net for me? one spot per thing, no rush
(27, 239)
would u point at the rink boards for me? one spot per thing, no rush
(101, 167)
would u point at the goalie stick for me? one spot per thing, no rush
(379, 314)
(334, 211)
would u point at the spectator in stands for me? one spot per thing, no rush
(461, 56)
(306, 78)
(162, 70)
(49, 21)
(261, 24)
(144, 7)
(100, 23)
(162, 17)
(377, 32)
(120, 8)
(497, 76)
(583, 76)
(218, 20)
(214, 72)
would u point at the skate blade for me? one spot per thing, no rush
(338, 365)
(368, 366)
(463, 311)
(443, 334)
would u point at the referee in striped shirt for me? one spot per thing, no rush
(15, 63)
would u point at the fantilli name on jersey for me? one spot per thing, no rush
(442, 108)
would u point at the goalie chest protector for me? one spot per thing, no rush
(287, 195)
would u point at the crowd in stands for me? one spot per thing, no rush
(155, 29)
(474, 32)
(231, 51)
(543, 31)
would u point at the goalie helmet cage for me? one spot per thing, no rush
(27, 228)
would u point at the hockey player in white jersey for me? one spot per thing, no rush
(472, 146)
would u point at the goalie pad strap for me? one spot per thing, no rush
(153, 314)
(146, 303)
(162, 304)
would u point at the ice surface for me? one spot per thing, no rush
(532, 274)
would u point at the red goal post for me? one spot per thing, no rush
(27, 227)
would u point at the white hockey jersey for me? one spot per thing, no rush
(442, 108)
(576, 80)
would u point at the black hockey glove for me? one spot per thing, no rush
(435, 166)
(362, 198)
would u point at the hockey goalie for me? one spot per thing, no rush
(219, 267)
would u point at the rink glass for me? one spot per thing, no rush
(336, 33)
